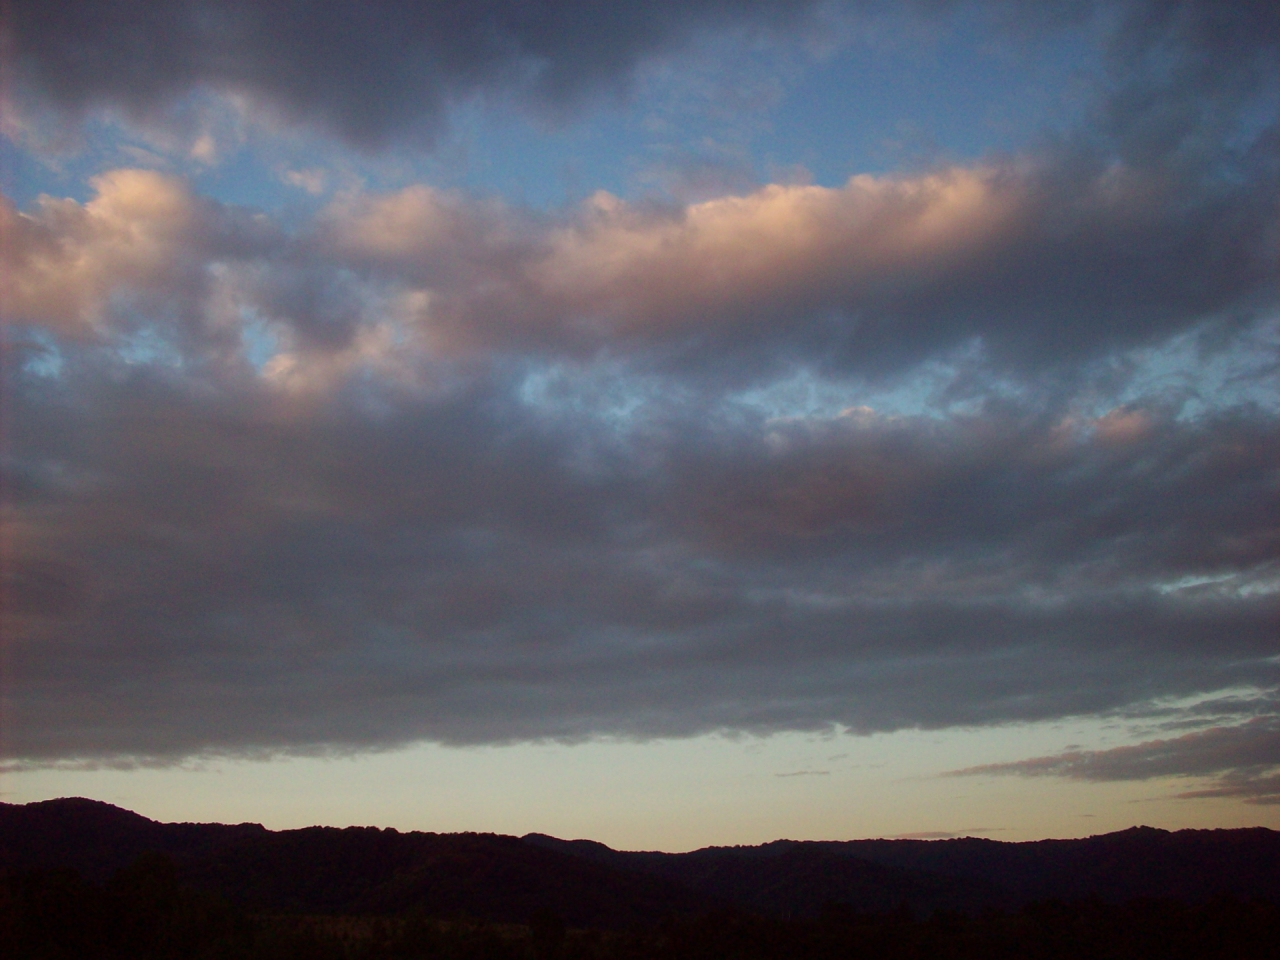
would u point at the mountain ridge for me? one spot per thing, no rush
(383, 871)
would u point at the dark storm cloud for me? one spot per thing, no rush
(366, 70)
(1244, 759)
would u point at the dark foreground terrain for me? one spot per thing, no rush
(85, 879)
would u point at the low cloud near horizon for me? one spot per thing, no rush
(1243, 760)
(426, 464)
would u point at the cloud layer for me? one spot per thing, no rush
(376, 71)
(209, 555)
(1045, 265)
(427, 465)
(366, 71)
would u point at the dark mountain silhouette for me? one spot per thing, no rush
(369, 871)
(793, 879)
(1138, 862)
(356, 870)
(96, 839)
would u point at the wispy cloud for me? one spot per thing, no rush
(1243, 759)
(941, 834)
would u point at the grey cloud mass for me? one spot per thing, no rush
(365, 70)
(201, 573)
(434, 466)
(371, 71)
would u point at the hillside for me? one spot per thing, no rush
(371, 871)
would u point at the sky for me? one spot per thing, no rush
(666, 423)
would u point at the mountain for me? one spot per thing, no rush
(795, 877)
(96, 839)
(371, 871)
(1138, 862)
(355, 870)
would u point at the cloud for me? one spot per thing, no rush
(939, 834)
(373, 72)
(874, 275)
(1041, 265)
(1245, 759)
(433, 466)
(1246, 785)
(144, 237)
(232, 567)
(365, 71)
(311, 180)
(1045, 263)
(1184, 69)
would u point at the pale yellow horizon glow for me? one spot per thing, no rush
(671, 795)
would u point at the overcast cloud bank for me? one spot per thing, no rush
(429, 465)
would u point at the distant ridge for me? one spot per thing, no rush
(366, 870)
(970, 872)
